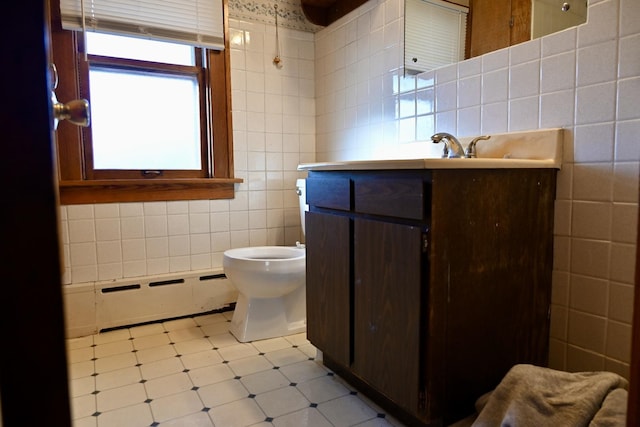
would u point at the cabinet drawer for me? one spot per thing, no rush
(331, 193)
(396, 197)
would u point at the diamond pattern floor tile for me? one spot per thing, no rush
(193, 372)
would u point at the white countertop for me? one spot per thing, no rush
(482, 163)
(535, 149)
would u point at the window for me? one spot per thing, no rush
(435, 34)
(160, 126)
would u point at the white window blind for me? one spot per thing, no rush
(435, 33)
(194, 22)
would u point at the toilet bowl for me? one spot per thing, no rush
(271, 287)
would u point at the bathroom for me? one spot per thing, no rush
(324, 104)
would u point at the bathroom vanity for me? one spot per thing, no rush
(426, 284)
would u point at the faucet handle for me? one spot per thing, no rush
(470, 152)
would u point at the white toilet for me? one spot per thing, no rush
(271, 286)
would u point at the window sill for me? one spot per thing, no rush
(145, 190)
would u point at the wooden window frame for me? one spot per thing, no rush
(75, 184)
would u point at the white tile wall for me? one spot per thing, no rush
(586, 80)
(274, 131)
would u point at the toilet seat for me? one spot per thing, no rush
(266, 253)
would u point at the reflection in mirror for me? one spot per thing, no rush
(440, 32)
(550, 16)
(435, 34)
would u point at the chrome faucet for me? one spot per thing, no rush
(470, 152)
(452, 147)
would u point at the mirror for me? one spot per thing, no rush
(441, 32)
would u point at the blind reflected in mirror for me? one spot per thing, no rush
(439, 33)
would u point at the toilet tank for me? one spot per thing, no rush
(301, 189)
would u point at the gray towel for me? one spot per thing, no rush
(614, 410)
(532, 396)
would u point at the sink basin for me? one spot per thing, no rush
(531, 149)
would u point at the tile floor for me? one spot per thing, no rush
(193, 372)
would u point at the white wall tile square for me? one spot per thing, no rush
(495, 60)
(629, 11)
(596, 143)
(81, 230)
(178, 224)
(624, 223)
(178, 245)
(558, 72)
(133, 250)
(524, 80)
(83, 254)
(495, 86)
(109, 252)
(622, 263)
(557, 109)
(562, 41)
(523, 113)
(525, 52)
(619, 341)
(80, 212)
(200, 244)
(591, 220)
(110, 271)
(131, 209)
(158, 265)
(155, 226)
(155, 208)
(469, 90)
(132, 227)
(84, 273)
(592, 182)
(587, 331)
(177, 207)
(239, 221)
(107, 210)
(625, 182)
(602, 25)
(157, 247)
(628, 95)
(589, 295)
(627, 146)
(579, 360)
(621, 302)
(199, 222)
(495, 117)
(590, 257)
(108, 229)
(597, 63)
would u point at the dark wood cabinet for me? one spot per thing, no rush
(387, 296)
(329, 259)
(424, 287)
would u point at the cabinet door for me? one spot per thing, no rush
(497, 24)
(328, 284)
(387, 301)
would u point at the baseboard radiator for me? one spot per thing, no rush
(98, 306)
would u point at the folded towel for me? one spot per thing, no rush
(614, 410)
(532, 396)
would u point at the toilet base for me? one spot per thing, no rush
(262, 318)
